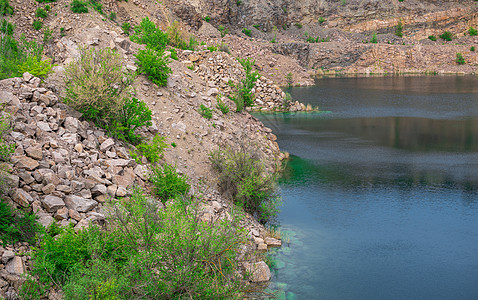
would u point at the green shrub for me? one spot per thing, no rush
(243, 178)
(41, 13)
(207, 18)
(472, 31)
(205, 111)
(289, 78)
(96, 85)
(298, 25)
(447, 36)
(154, 149)
(459, 59)
(17, 226)
(167, 183)
(432, 38)
(221, 105)
(321, 20)
(399, 29)
(149, 34)
(472, 48)
(6, 150)
(78, 7)
(223, 47)
(5, 8)
(174, 53)
(247, 31)
(176, 37)
(126, 27)
(14, 54)
(243, 96)
(47, 7)
(112, 16)
(6, 27)
(212, 48)
(38, 68)
(37, 24)
(97, 6)
(133, 115)
(155, 65)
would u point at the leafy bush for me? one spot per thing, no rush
(472, 31)
(17, 226)
(41, 13)
(432, 38)
(154, 149)
(126, 27)
(133, 115)
(96, 86)
(36, 67)
(15, 53)
(176, 37)
(298, 25)
(223, 47)
(472, 48)
(205, 111)
(6, 150)
(459, 59)
(112, 16)
(78, 7)
(167, 183)
(207, 18)
(374, 38)
(155, 65)
(243, 96)
(37, 24)
(174, 54)
(97, 6)
(5, 8)
(447, 36)
(247, 31)
(321, 20)
(149, 34)
(221, 105)
(243, 178)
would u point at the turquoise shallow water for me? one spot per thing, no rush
(381, 193)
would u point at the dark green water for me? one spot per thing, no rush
(381, 193)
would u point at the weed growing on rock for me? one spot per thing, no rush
(126, 27)
(6, 27)
(155, 65)
(37, 24)
(399, 29)
(36, 67)
(432, 38)
(223, 30)
(149, 34)
(133, 114)
(247, 31)
(17, 226)
(41, 13)
(472, 31)
(221, 105)
(176, 37)
(460, 59)
(205, 111)
(243, 178)
(472, 48)
(243, 97)
(374, 38)
(167, 183)
(174, 53)
(97, 6)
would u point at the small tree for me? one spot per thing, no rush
(459, 59)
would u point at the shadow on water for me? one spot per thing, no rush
(381, 191)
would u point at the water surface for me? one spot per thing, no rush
(381, 193)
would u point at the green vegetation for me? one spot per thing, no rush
(432, 38)
(21, 56)
(174, 53)
(112, 16)
(298, 25)
(155, 65)
(79, 7)
(289, 79)
(126, 27)
(205, 111)
(45, 1)
(153, 150)
(37, 24)
(256, 26)
(243, 96)
(149, 34)
(472, 48)
(207, 18)
(97, 87)
(459, 59)
(399, 29)
(167, 183)
(146, 253)
(223, 30)
(247, 31)
(17, 226)
(447, 36)
(41, 13)
(97, 6)
(472, 31)
(311, 39)
(5, 8)
(374, 38)
(321, 20)
(6, 150)
(221, 105)
(243, 178)
(176, 37)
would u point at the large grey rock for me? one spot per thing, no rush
(106, 145)
(15, 266)
(71, 124)
(53, 203)
(272, 242)
(258, 271)
(80, 204)
(21, 197)
(35, 152)
(24, 162)
(7, 255)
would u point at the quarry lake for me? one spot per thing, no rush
(380, 196)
